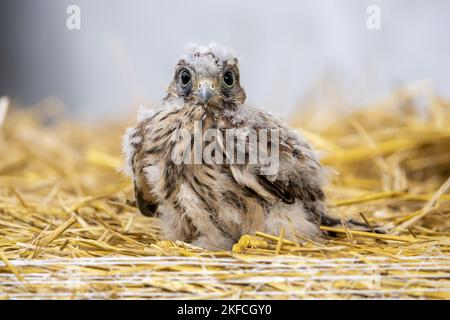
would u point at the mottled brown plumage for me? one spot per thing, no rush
(213, 204)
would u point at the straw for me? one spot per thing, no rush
(69, 228)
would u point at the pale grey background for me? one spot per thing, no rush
(126, 50)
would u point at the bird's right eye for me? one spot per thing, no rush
(185, 77)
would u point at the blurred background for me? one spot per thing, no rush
(125, 52)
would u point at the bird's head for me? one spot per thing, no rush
(209, 76)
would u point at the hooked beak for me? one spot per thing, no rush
(205, 91)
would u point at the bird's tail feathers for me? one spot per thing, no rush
(328, 221)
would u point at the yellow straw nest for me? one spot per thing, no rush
(69, 227)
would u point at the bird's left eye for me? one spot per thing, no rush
(228, 78)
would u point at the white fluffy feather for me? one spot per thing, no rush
(128, 150)
(197, 56)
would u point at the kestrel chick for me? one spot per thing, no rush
(218, 191)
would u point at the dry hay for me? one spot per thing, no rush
(69, 229)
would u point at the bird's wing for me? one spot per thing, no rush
(137, 160)
(299, 176)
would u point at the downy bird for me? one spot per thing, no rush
(213, 168)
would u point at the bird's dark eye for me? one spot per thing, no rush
(185, 77)
(228, 78)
